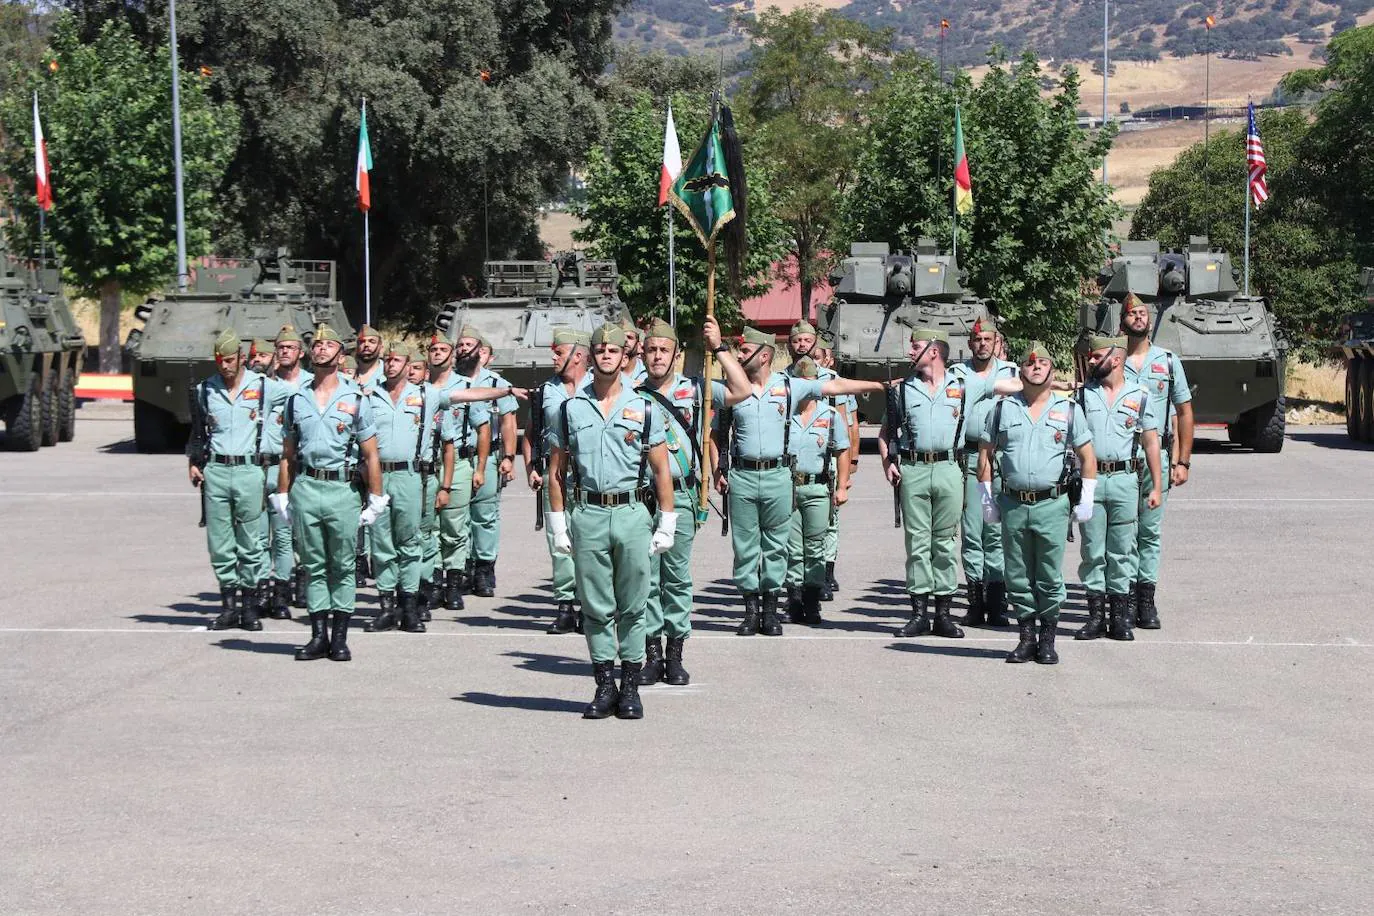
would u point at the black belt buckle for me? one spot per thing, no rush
(232, 461)
(389, 466)
(268, 460)
(466, 452)
(427, 467)
(327, 475)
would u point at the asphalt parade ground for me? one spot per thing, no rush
(1219, 765)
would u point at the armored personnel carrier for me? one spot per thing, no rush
(173, 350)
(1356, 345)
(881, 297)
(40, 356)
(526, 300)
(1231, 346)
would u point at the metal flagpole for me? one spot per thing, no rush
(672, 274)
(367, 248)
(1247, 229)
(182, 273)
(1207, 120)
(954, 248)
(1106, 19)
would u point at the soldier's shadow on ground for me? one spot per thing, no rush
(1336, 440)
(122, 447)
(551, 664)
(533, 704)
(951, 649)
(264, 648)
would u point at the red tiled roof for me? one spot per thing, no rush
(780, 307)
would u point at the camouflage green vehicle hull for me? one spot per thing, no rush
(40, 358)
(1356, 347)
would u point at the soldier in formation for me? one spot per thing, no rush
(496, 471)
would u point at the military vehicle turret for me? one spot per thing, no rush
(526, 300)
(40, 356)
(881, 296)
(1356, 345)
(1231, 346)
(173, 350)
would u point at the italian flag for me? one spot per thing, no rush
(40, 161)
(364, 166)
(963, 187)
(672, 160)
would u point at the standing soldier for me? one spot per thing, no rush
(820, 482)
(473, 446)
(678, 402)
(633, 366)
(570, 352)
(1161, 372)
(436, 482)
(1121, 417)
(615, 459)
(369, 356)
(982, 543)
(287, 578)
(261, 357)
(848, 406)
(759, 480)
(497, 470)
(323, 423)
(1032, 437)
(230, 410)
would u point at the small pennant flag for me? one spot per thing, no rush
(672, 159)
(361, 181)
(963, 185)
(40, 161)
(1254, 160)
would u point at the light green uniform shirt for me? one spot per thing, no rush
(605, 450)
(1154, 373)
(272, 434)
(405, 428)
(323, 436)
(760, 420)
(677, 432)
(976, 409)
(235, 426)
(486, 378)
(461, 423)
(1030, 453)
(932, 420)
(1116, 425)
(811, 440)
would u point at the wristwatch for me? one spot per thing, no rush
(719, 349)
(1183, 464)
(446, 489)
(507, 456)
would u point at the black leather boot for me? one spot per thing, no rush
(436, 596)
(769, 622)
(603, 704)
(410, 614)
(977, 612)
(386, 618)
(1122, 625)
(318, 647)
(944, 626)
(831, 586)
(1096, 627)
(361, 568)
(566, 621)
(673, 672)
(281, 600)
(302, 580)
(453, 593)
(228, 618)
(1044, 649)
(653, 661)
(919, 624)
(484, 578)
(1025, 649)
(811, 605)
(794, 604)
(1146, 614)
(628, 706)
(750, 625)
(338, 639)
(995, 604)
(250, 600)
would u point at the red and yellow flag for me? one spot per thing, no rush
(963, 186)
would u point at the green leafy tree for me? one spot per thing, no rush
(24, 28)
(811, 72)
(1040, 214)
(108, 123)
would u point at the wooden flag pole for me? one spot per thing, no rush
(707, 385)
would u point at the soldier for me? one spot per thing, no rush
(261, 357)
(436, 483)
(1161, 372)
(470, 471)
(347, 367)
(230, 410)
(678, 402)
(1121, 416)
(323, 423)
(499, 470)
(982, 544)
(633, 365)
(418, 370)
(369, 356)
(848, 406)
(1032, 436)
(820, 480)
(287, 578)
(613, 452)
(570, 352)
(759, 480)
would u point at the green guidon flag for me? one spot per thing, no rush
(702, 192)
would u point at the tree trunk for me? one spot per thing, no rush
(111, 358)
(805, 284)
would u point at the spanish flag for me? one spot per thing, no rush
(963, 186)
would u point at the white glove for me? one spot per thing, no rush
(281, 504)
(376, 505)
(991, 514)
(663, 538)
(1084, 510)
(558, 527)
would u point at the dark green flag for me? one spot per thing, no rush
(702, 192)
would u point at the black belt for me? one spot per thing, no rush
(1111, 467)
(268, 461)
(760, 464)
(1030, 497)
(322, 474)
(911, 456)
(592, 498)
(686, 483)
(427, 467)
(802, 480)
(467, 451)
(232, 460)
(397, 466)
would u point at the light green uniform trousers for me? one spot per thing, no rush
(806, 543)
(277, 535)
(932, 498)
(668, 611)
(1107, 553)
(396, 546)
(611, 551)
(234, 499)
(564, 578)
(429, 526)
(982, 543)
(1033, 538)
(760, 508)
(486, 514)
(454, 520)
(325, 518)
(832, 536)
(1150, 524)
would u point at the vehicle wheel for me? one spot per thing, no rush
(1364, 400)
(1268, 423)
(66, 408)
(1235, 432)
(152, 428)
(1352, 398)
(24, 420)
(51, 421)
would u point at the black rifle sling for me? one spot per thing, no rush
(787, 419)
(420, 436)
(205, 416)
(1169, 403)
(353, 427)
(959, 427)
(571, 470)
(262, 418)
(644, 443)
(689, 429)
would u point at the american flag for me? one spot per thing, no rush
(1254, 161)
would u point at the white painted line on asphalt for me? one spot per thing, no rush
(1175, 500)
(102, 494)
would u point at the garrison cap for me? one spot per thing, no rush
(348, 364)
(802, 327)
(1131, 301)
(417, 355)
(805, 368)
(985, 323)
(564, 336)
(627, 325)
(437, 339)
(368, 330)
(325, 332)
(609, 334)
(471, 333)
(289, 334)
(227, 343)
(662, 330)
(582, 338)
(259, 346)
(1102, 341)
(395, 345)
(1037, 350)
(931, 334)
(758, 338)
